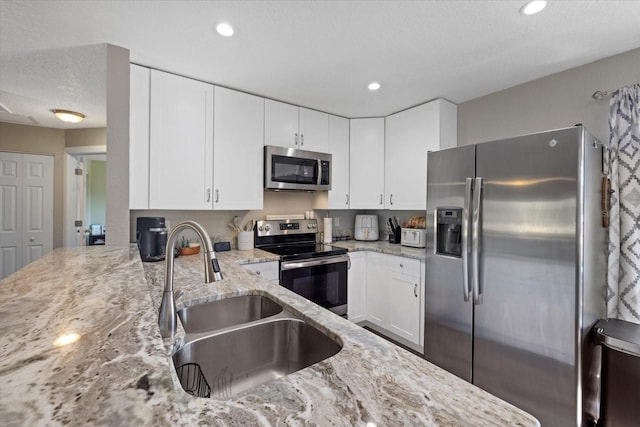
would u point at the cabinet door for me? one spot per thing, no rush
(268, 270)
(314, 130)
(181, 143)
(366, 160)
(338, 197)
(357, 287)
(409, 135)
(376, 294)
(139, 138)
(280, 124)
(238, 150)
(404, 306)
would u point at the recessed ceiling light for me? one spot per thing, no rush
(224, 29)
(68, 116)
(374, 86)
(533, 7)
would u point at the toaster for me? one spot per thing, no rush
(414, 237)
(366, 227)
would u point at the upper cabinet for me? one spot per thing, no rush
(287, 125)
(409, 135)
(338, 196)
(366, 161)
(139, 137)
(181, 143)
(238, 132)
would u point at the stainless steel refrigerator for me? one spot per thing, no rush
(515, 267)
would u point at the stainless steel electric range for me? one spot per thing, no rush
(313, 270)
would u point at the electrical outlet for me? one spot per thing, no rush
(336, 222)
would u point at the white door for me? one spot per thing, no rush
(404, 306)
(26, 182)
(339, 150)
(181, 143)
(377, 290)
(314, 130)
(238, 150)
(11, 211)
(366, 160)
(357, 288)
(280, 124)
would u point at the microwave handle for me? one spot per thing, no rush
(319, 166)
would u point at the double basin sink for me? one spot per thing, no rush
(234, 344)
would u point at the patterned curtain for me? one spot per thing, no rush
(623, 161)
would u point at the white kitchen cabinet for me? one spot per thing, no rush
(357, 287)
(268, 270)
(139, 137)
(366, 163)
(409, 135)
(181, 143)
(338, 196)
(238, 132)
(405, 292)
(377, 290)
(287, 125)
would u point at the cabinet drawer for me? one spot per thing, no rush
(269, 270)
(407, 266)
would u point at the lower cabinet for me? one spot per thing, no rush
(269, 270)
(386, 293)
(357, 287)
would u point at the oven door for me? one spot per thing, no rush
(320, 280)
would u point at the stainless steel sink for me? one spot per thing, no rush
(220, 314)
(229, 362)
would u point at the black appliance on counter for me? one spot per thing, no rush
(151, 237)
(313, 270)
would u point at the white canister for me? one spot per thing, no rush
(327, 230)
(245, 240)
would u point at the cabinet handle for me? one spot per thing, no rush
(296, 139)
(401, 265)
(208, 195)
(258, 272)
(347, 200)
(391, 199)
(301, 139)
(381, 200)
(217, 195)
(415, 290)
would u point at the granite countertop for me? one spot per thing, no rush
(120, 372)
(382, 247)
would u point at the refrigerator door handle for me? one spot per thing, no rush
(475, 241)
(466, 224)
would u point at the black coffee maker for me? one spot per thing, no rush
(151, 236)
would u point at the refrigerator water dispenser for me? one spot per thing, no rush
(449, 231)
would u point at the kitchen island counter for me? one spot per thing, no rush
(119, 371)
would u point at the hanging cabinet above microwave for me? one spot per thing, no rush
(290, 126)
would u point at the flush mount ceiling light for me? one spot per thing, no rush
(533, 7)
(224, 29)
(68, 116)
(373, 86)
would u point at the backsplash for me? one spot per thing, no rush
(275, 202)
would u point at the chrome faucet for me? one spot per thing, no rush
(167, 318)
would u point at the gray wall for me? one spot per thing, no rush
(552, 102)
(117, 213)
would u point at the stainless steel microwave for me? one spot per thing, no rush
(292, 169)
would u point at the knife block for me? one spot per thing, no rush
(396, 235)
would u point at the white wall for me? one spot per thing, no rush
(552, 102)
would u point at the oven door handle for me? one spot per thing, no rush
(291, 265)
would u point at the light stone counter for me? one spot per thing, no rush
(120, 373)
(382, 247)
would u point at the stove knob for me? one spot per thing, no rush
(314, 225)
(260, 228)
(267, 227)
(309, 226)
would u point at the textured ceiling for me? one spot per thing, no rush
(319, 54)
